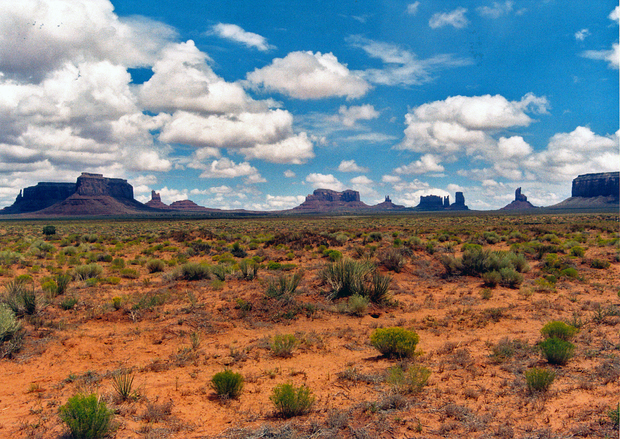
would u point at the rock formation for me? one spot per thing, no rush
(593, 191)
(430, 203)
(387, 205)
(155, 202)
(39, 197)
(187, 205)
(325, 200)
(519, 203)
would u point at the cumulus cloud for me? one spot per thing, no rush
(582, 34)
(289, 174)
(615, 14)
(39, 37)
(324, 181)
(412, 8)
(427, 163)
(348, 116)
(402, 66)
(351, 166)
(235, 33)
(307, 75)
(495, 11)
(612, 56)
(464, 124)
(226, 168)
(295, 150)
(282, 202)
(454, 18)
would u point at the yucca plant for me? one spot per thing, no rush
(122, 383)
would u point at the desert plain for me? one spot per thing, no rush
(168, 304)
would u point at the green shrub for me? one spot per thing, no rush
(283, 287)
(395, 342)
(8, 323)
(408, 381)
(68, 303)
(510, 277)
(227, 384)
(20, 297)
(49, 230)
(284, 345)
(129, 273)
(559, 330)
(89, 271)
(291, 401)
(348, 277)
(357, 305)
(392, 259)
(539, 379)
(557, 351)
(600, 264)
(249, 269)
(87, 417)
(570, 272)
(155, 265)
(491, 278)
(614, 415)
(577, 251)
(194, 271)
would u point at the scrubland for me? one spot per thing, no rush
(424, 326)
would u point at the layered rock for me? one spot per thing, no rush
(431, 203)
(324, 200)
(519, 203)
(593, 191)
(155, 201)
(44, 194)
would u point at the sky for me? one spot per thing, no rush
(254, 105)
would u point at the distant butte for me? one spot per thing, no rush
(519, 203)
(593, 191)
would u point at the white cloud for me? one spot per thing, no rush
(497, 10)
(307, 75)
(402, 66)
(454, 188)
(612, 56)
(615, 14)
(235, 33)
(412, 8)
(182, 80)
(427, 163)
(39, 37)
(454, 18)
(464, 124)
(582, 34)
(390, 179)
(226, 168)
(289, 174)
(294, 150)
(348, 116)
(351, 166)
(169, 196)
(362, 180)
(282, 202)
(513, 147)
(324, 181)
(371, 138)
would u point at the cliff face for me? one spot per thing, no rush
(39, 197)
(597, 185)
(324, 200)
(94, 185)
(431, 203)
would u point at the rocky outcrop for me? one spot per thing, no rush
(387, 205)
(325, 200)
(519, 203)
(188, 205)
(96, 185)
(605, 184)
(593, 191)
(431, 203)
(39, 197)
(155, 202)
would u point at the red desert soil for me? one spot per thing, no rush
(470, 393)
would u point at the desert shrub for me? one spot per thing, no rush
(570, 272)
(599, 263)
(539, 379)
(557, 351)
(20, 297)
(510, 277)
(614, 416)
(348, 277)
(87, 417)
(122, 383)
(395, 342)
(49, 230)
(476, 262)
(89, 271)
(238, 251)
(8, 323)
(8, 257)
(408, 381)
(357, 305)
(155, 265)
(249, 269)
(68, 303)
(284, 345)
(491, 237)
(577, 251)
(118, 263)
(41, 248)
(283, 286)
(194, 271)
(227, 384)
(291, 401)
(559, 330)
(129, 273)
(392, 259)
(491, 278)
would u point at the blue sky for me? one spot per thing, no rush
(256, 104)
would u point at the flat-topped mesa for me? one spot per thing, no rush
(322, 200)
(605, 184)
(331, 196)
(93, 185)
(39, 197)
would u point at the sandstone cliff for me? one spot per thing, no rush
(593, 191)
(326, 200)
(39, 197)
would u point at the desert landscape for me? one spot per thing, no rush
(143, 315)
